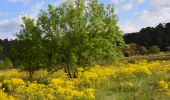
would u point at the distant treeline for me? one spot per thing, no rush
(5, 47)
(160, 36)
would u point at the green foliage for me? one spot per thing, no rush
(154, 49)
(7, 63)
(1, 49)
(28, 48)
(76, 33)
(143, 50)
(84, 34)
(131, 49)
(126, 51)
(148, 36)
(168, 48)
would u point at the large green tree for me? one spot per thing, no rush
(81, 33)
(78, 33)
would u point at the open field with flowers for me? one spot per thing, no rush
(78, 50)
(141, 80)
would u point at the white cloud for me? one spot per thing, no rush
(36, 9)
(7, 36)
(21, 1)
(117, 1)
(159, 3)
(127, 6)
(159, 12)
(6, 13)
(130, 4)
(140, 1)
(9, 26)
(129, 26)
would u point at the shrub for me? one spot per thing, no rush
(168, 48)
(6, 63)
(12, 84)
(154, 49)
(134, 48)
(131, 49)
(143, 50)
(127, 86)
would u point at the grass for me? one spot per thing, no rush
(145, 88)
(150, 57)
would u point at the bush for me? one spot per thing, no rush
(143, 50)
(12, 84)
(7, 63)
(154, 49)
(131, 49)
(134, 48)
(126, 51)
(168, 48)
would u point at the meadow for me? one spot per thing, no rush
(141, 80)
(77, 51)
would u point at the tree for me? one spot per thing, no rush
(78, 33)
(28, 48)
(84, 33)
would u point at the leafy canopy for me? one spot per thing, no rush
(78, 33)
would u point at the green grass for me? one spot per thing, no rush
(145, 88)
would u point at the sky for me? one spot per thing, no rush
(133, 14)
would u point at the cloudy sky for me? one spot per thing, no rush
(133, 14)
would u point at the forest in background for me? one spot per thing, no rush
(149, 36)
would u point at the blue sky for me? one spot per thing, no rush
(133, 14)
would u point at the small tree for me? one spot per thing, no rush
(28, 47)
(154, 49)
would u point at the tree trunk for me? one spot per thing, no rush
(31, 74)
(75, 73)
(68, 71)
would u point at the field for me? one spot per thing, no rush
(150, 57)
(141, 80)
